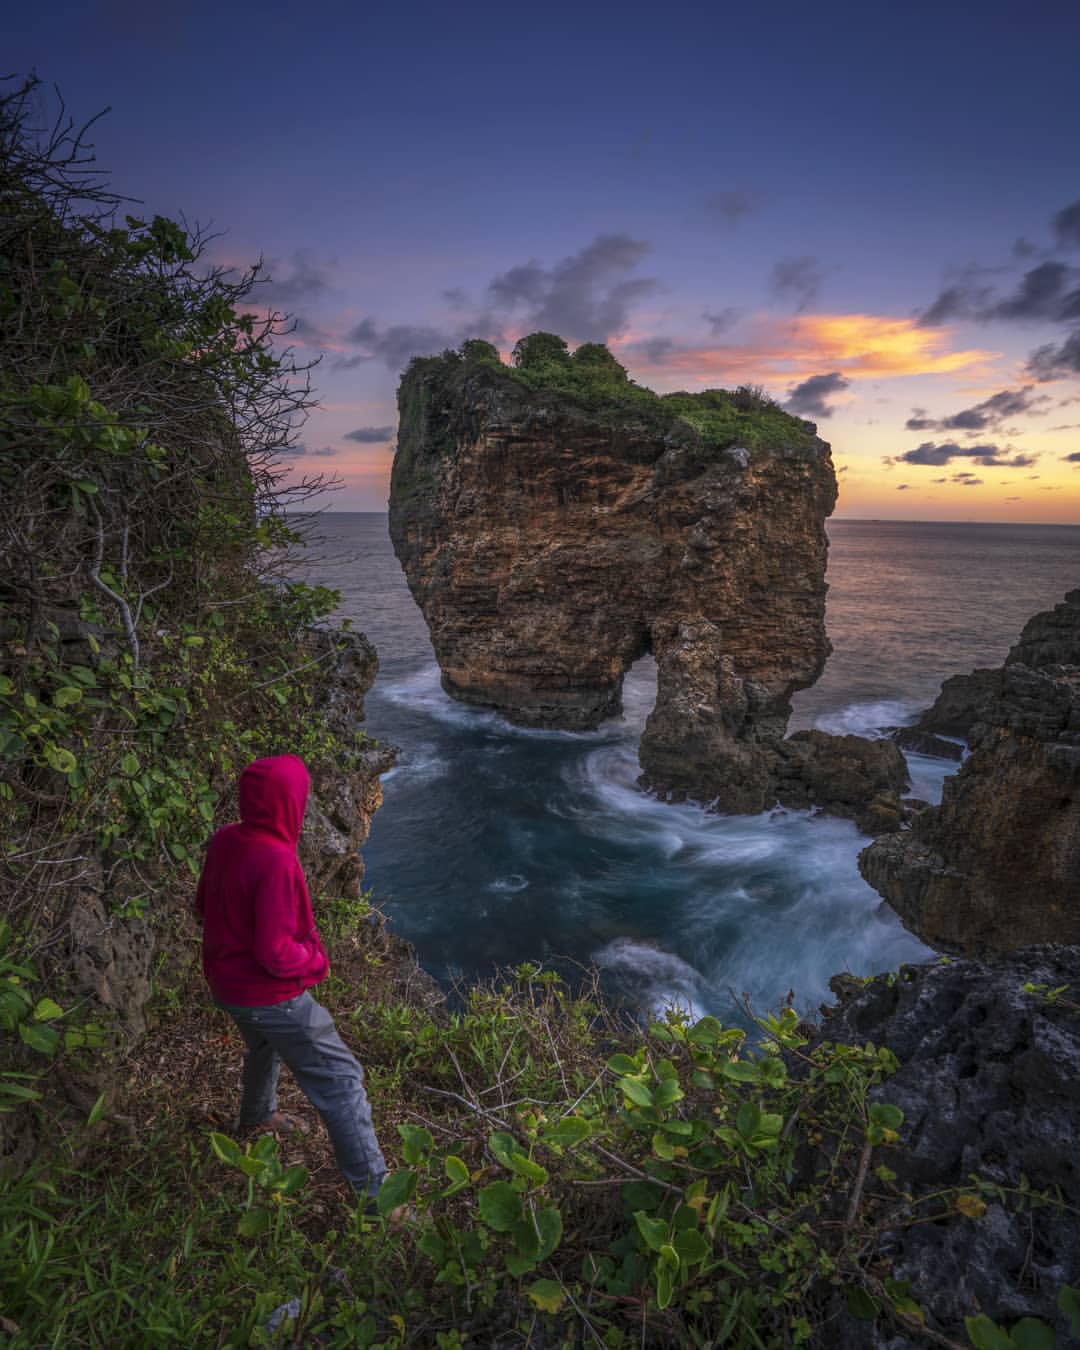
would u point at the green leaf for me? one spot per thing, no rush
(622, 1064)
(63, 761)
(547, 1295)
(1030, 1333)
(662, 1146)
(503, 1146)
(67, 695)
(748, 1119)
(130, 764)
(567, 1132)
(525, 1167)
(500, 1206)
(519, 1265)
(253, 1222)
(654, 1231)
(550, 1227)
(668, 1093)
(224, 1147)
(84, 675)
(691, 1245)
(398, 1189)
(985, 1334)
(96, 1111)
(416, 1142)
(665, 1286)
(888, 1117)
(860, 1304)
(642, 1195)
(44, 1039)
(292, 1180)
(635, 1091)
(433, 1247)
(456, 1171)
(45, 1010)
(705, 1032)
(741, 1071)
(1068, 1301)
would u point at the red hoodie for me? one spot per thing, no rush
(259, 939)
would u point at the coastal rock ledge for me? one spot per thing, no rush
(553, 535)
(997, 865)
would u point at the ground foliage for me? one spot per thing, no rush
(576, 1179)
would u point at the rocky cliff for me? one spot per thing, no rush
(997, 865)
(989, 1084)
(553, 533)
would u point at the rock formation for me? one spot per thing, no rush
(552, 537)
(997, 865)
(989, 1085)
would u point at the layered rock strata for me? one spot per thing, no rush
(997, 865)
(551, 544)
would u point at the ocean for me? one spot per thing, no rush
(496, 845)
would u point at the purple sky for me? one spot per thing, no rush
(873, 211)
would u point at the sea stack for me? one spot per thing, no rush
(556, 522)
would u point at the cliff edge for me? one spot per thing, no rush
(997, 865)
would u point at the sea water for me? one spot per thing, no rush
(497, 845)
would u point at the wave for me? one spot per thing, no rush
(873, 719)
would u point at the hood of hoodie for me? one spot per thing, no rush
(273, 794)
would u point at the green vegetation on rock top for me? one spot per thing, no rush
(593, 379)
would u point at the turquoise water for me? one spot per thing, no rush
(497, 845)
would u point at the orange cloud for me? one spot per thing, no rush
(856, 344)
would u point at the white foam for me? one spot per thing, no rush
(872, 719)
(509, 885)
(667, 980)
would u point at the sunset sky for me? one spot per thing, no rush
(872, 210)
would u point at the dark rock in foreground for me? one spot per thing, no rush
(989, 1087)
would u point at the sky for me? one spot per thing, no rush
(871, 210)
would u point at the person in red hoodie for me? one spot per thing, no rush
(261, 955)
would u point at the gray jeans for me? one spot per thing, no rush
(302, 1033)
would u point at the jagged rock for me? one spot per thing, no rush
(989, 1085)
(343, 799)
(927, 743)
(550, 545)
(845, 775)
(997, 865)
(1050, 638)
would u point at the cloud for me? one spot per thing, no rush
(799, 280)
(721, 320)
(1067, 225)
(796, 348)
(394, 346)
(989, 456)
(903, 487)
(300, 280)
(1014, 499)
(810, 398)
(586, 297)
(1039, 295)
(370, 435)
(1024, 248)
(731, 206)
(1051, 362)
(303, 451)
(954, 302)
(1073, 458)
(990, 413)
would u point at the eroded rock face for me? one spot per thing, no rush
(997, 865)
(549, 549)
(989, 1085)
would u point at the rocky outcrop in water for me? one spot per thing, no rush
(989, 1085)
(551, 538)
(997, 865)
